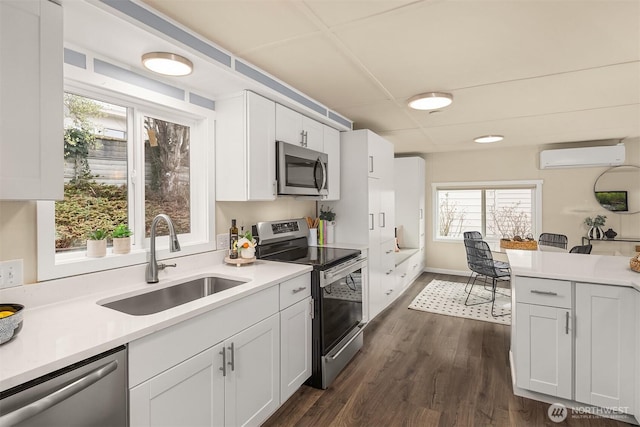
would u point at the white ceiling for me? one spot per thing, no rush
(537, 72)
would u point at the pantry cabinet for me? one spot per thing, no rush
(295, 128)
(367, 216)
(245, 148)
(31, 100)
(332, 148)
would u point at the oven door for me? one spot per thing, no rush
(301, 171)
(340, 316)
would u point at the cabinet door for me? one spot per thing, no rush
(261, 148)
(543, 349)
(606, 357)
(332, 148)
(252, 389)
(31, 100)
(313, 134)
(288, 125)
(295, 347)
(387, 192)
(189, 394)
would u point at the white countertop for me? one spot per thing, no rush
(59, 331)
(604, 269)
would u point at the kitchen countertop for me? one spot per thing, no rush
(59, 331)
(604, 269)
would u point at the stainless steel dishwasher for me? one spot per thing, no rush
(88, 393)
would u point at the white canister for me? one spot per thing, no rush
(329, 238)
(313, 237)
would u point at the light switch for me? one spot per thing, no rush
(222, 241)
(11, 273)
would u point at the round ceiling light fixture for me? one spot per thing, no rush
(168, 64)
(430, 101)
(488, 139)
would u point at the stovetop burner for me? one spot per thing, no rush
(317, 256)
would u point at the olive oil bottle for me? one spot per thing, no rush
(233, 240)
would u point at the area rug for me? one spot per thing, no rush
(448, 298)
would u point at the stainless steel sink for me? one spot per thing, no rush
(172, 296)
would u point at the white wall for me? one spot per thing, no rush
(567, 196)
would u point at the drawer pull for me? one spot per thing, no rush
(300, 289)
(535, 291)
(566, 325)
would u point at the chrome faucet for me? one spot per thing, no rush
(174, 246)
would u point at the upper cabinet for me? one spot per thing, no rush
(294, 128)
(332, 148)
(245, 148)
(31, 100)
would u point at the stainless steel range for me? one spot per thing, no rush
(336, 288)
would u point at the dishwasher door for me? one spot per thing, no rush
(89, 393)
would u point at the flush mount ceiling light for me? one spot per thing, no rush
(166, 63)
(488, 139)
(431, 101)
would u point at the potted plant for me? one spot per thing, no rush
(121, 239)
(97, 243)
(247, 246)
(595, 232)
(327, 214)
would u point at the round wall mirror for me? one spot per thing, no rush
(618, 189)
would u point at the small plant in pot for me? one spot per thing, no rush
(97, 243)
(121, 236)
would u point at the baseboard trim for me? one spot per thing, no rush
(447, 271)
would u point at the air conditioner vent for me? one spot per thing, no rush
(611, 155)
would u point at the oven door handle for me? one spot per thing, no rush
(341, 270)
(344, 347)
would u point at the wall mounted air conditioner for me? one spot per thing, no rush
(585, 157)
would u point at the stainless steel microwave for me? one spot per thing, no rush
(301, 171)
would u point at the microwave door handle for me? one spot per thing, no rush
(315, 181)
(324, 175)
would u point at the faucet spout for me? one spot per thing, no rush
(151, 274)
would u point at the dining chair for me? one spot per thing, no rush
(473, 235)
(552, 239)
(480, 261)
(581, 249)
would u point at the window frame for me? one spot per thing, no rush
(202, 175)
(536, 215)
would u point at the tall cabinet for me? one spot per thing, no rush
(365, 213)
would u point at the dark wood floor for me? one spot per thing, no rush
(423, 369)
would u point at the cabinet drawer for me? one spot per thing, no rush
(294, 290)
(549, 292)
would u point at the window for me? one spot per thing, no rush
(496, 209)
(126, 161)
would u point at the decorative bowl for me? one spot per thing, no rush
(11, 324)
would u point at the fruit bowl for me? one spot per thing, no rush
(10, 321)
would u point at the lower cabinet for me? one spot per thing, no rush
(295, 347)
(232, 383)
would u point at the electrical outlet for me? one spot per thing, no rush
(11, 273)
(222, 241)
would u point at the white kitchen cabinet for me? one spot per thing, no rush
(295, 347)
(366, 217)
(544, 336)
(606, 357)
(245, 148)
(189, 394)
(409, 182)
(332, 149)
(31, 100)
(297, 129)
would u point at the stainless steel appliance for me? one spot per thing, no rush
(301, 171)
(336, 288)
(89, 393)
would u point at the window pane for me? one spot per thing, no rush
(167, 174)
(459, 211)
(509, 213)
(95, 174)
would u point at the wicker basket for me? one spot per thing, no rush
(634, 263)
(527, 245)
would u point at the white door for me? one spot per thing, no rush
(606, 358)
(189, 394)
(295, 347)
(261, 148)
(543, 348)
(252, 389)
(288, 125)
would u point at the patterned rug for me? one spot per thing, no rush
(444, 297)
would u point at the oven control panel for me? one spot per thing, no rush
(278, 231)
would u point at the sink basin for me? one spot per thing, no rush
(172, 296)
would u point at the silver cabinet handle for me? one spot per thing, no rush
(224, 362)
(300, 289)
(302, 144)
(371, 221)
(383, 222)
(370, 163)
(421, 213)
(566, 325)
(388, 252)
(58, 396)
(233, 357)
(390, 292)
(389, 272)
(535, 291)
(403, 275)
